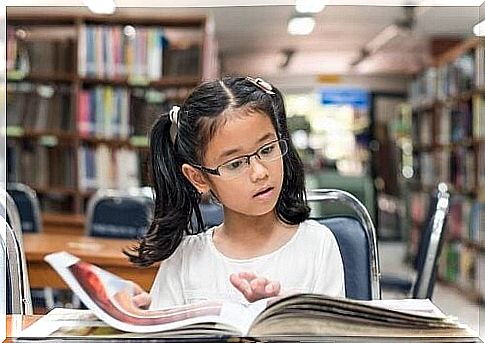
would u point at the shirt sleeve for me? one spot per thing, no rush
(167, 289)
(331, 281)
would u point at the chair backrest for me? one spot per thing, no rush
(433, 242)
(120, 214)
(425, 233)
(28, 206)
(17, 289)
(212, 214)
(356, 237)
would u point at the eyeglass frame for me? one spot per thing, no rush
(215, 171)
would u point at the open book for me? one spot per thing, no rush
(110, 299)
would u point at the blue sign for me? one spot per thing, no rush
(355, 97)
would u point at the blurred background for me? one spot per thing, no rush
(385, 100)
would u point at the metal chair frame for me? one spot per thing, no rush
(363, 216)
(32, 195)
(139, 195)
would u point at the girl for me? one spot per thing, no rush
(230, 140)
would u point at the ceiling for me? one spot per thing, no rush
(251, 38)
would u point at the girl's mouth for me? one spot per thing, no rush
(264, 193)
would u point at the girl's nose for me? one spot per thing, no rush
(258, 170)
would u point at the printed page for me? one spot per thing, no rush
(110, 299)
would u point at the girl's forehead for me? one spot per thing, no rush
(241, 134)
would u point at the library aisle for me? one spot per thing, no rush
(445, 297)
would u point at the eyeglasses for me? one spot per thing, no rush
(231, 169)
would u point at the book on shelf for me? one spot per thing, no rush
(40, 50)
(444, 122)
(139, 53)
(462, 169)
(40, 107)
(461, 121)
(146, 105)
(479, 116)
(480, 270)
(109, 299)
(103, 111)
(39, 165)
(122, 171)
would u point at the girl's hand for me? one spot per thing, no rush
(141, 298)
(253, 287)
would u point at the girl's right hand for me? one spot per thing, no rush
(141, 298)
(255, 288)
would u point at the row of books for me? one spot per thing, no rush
(465, 221)
(41, 165)
(103, 167)
(39, 56)
(465, 233)
(459, 264)
(479, 117)
(440, 83)
(466, 218)
(456, 167)
(139, 53)
(104, 111)
(120, 112)
(40, 107)
(449, 124)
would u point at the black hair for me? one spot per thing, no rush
(199, 118)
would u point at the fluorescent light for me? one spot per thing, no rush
(309, 6)
(479, 29)
(101, 6)
(301, 25)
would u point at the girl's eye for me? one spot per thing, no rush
(234, 165)
(268, 149)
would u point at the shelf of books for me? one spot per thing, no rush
(448, 133)
(83, 92)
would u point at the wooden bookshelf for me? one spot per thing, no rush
(448, 131)
(81, 85)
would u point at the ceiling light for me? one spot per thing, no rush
(301, 25)
(101, 6)
(479, 29)
(309, 6)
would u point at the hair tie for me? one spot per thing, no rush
(173, 115)
(261, 84)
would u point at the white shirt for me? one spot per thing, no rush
(309, 262)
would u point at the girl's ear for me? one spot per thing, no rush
(196, 178)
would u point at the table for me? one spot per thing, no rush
(15, 323)
(104, 252)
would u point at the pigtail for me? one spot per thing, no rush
(292, 207)
(173, 203)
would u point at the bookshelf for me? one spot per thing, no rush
(83, 92)
(448, 135)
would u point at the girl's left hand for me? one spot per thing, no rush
(253, 287)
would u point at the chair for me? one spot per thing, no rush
(356, 238)
(212, 214)
(429, 250)
(23, 209)
(119, 214)
(17, 289)
(28, 206)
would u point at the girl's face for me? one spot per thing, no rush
(255, 191)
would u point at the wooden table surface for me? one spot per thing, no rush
(16, 323)
(103, 252)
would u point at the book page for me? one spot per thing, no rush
(110, 299)
(414, 306)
